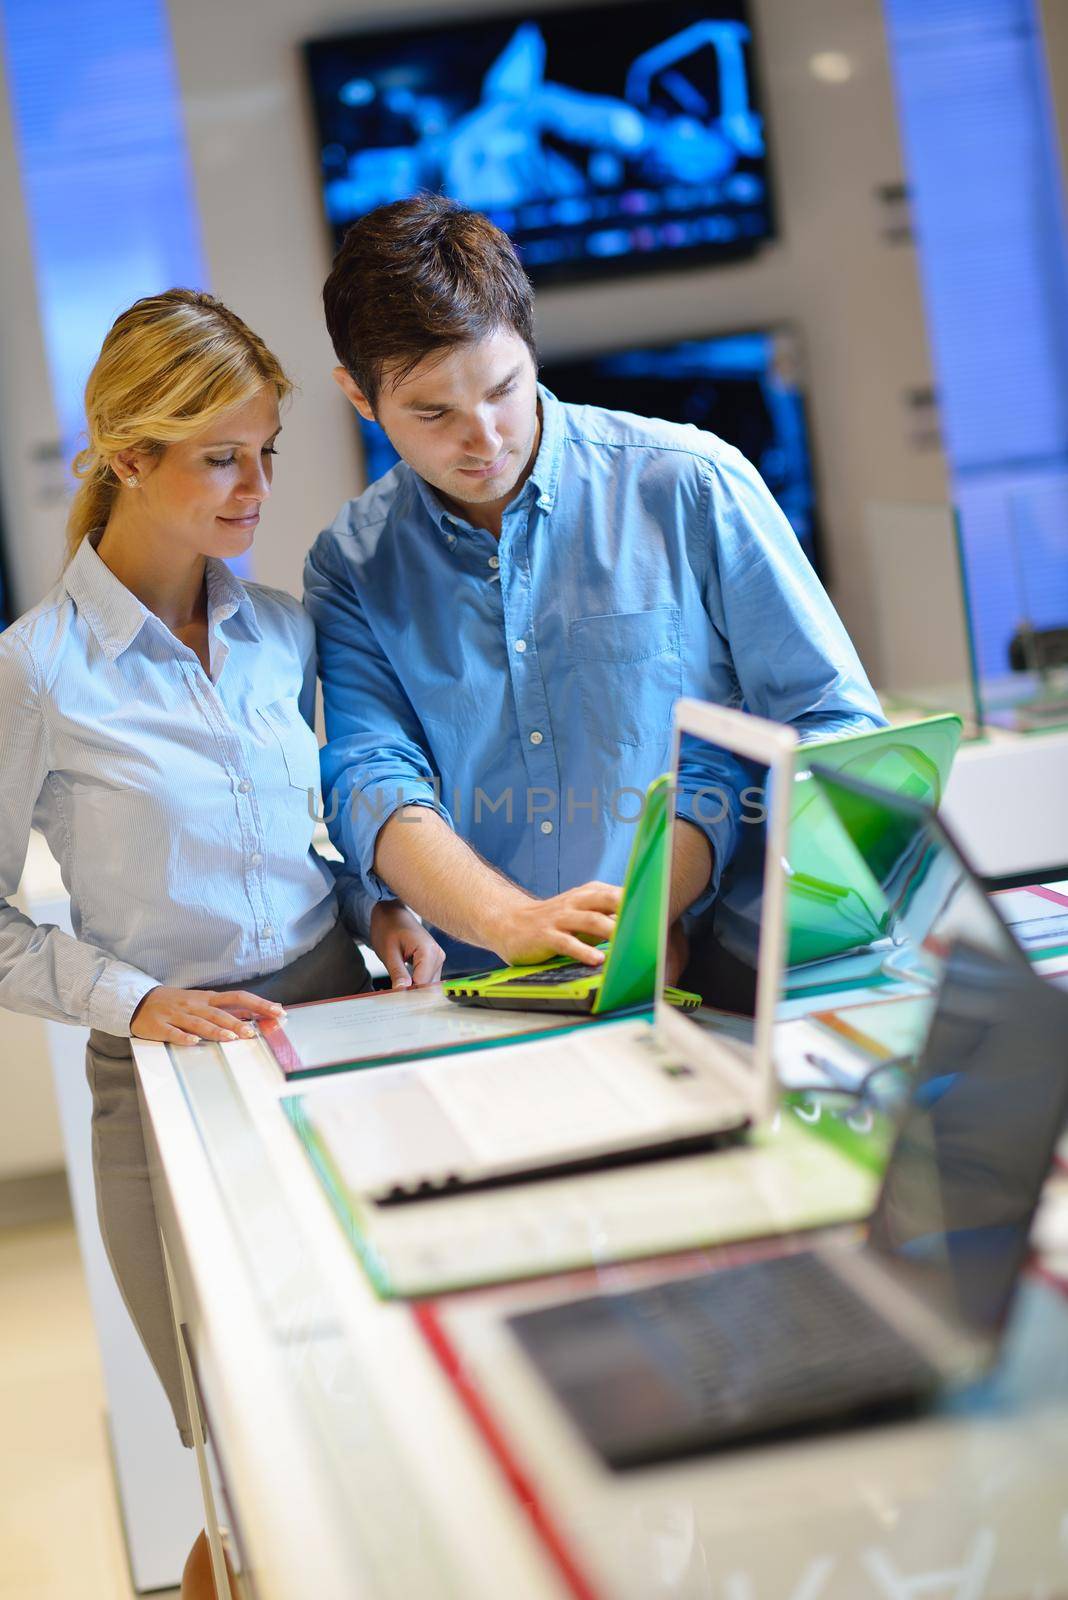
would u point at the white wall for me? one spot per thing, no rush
(855, 298)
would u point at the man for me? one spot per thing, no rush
(507, 617)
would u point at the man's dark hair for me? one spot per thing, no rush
(420, 276)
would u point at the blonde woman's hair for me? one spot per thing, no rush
(169, 365)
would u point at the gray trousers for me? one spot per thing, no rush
(120, 1168)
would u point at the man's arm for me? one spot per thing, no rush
(446, 882)
(373, 763)
(792, 657)
(692, 860)
(691, 867)
(385, 817)
(793, 660)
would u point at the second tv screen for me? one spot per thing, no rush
(743, 387)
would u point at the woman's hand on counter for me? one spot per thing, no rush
(187, 1016)
(400, 942)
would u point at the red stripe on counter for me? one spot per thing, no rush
(426, 1316)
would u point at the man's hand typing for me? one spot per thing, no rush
(535, 930)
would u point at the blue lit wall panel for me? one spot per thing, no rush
(987, 202)
(105, 172)
(104, 168)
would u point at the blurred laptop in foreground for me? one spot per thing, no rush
(822, 1337)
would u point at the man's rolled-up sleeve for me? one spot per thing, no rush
(374, 761)
(792, 660)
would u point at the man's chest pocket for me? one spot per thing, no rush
(629, 670)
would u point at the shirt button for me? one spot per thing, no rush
(546, 826)
(255, 860)
(536, 737)
(494, 562)
(244, 786)
(520, 646)
(266, 932)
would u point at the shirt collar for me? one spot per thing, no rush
(227, 597)
(541, 483)
(545, 474)
(115, 614)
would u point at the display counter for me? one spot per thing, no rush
(384, 1449)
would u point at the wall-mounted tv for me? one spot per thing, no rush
(745, 387)
(603, 138)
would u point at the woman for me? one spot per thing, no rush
(155, 723)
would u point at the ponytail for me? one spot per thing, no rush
(93, 498)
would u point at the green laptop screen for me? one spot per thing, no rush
(854, 975)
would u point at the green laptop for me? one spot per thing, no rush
(834, 904)
(628, 976)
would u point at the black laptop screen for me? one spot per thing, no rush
(990, 1099)
(726, 798)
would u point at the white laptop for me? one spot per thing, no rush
(618, 1090)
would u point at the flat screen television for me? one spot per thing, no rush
(603, 138)
(745, 387)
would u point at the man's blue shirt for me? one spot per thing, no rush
(525, 688)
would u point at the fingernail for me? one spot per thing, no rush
(228, 1038)
(248, 1031)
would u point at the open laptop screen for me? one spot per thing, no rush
(877, 892)
(987, 1108)
(835, 905)
(931, 894)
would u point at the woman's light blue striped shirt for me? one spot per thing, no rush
(179, 806)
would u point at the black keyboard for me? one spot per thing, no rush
(568, 974)
(716, 1359)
